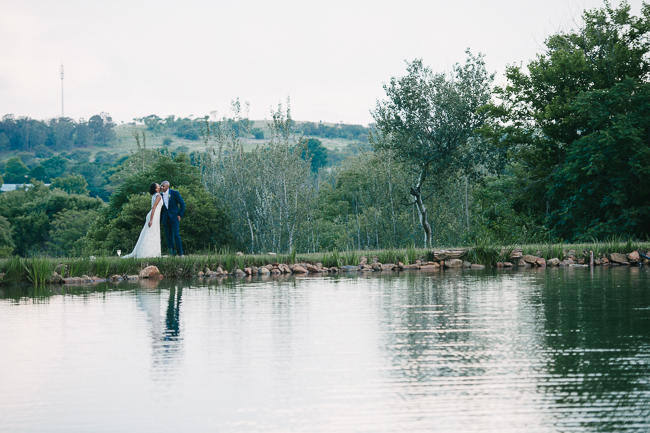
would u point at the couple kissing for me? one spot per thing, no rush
(168, 207)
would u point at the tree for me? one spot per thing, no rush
(6, 242)
(32, 211)
(15, 171)
(315, 152)
(427, 121)
(575, 121)
(67, 231)
(73, 184)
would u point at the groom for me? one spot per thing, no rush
(172, 211)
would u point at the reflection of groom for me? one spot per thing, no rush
(172, 211)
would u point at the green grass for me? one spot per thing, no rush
(38, 270)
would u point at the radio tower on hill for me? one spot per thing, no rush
(61, 90)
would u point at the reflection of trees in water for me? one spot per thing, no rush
(597, 336)
(430, 329)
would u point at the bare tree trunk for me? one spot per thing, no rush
(416, 192)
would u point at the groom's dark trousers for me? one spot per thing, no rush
(169, 215)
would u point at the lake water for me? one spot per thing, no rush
(536, 351)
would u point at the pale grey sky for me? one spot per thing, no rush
(135, 57)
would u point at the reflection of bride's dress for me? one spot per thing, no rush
(148, 244)
(164, 328)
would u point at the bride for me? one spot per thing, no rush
(148, 244)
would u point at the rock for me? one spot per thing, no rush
(284, 268)
(311, 268)
(477, 267)
(453, 263)
(56, 278)
(375, 260)
(116, 278)
(508, 265)
(348, 268)
(448, 254)
(388, 267)
(467, 264)
(150, 272)
(269, 267)
(297, 269)
(604, 260)
(200, 274)
(365, 268)
(239, 253)
(276, 271)
(376, 267)
(248, 271)
(363, 260)
(581, 261)
(73, 280)
(333, 270)
(434, 267)
(517, 253)
(411, 267)
(553, 262)
(541, 262)
(528, 258)
(239, 273)
(634, 257)
(618, 258)
(264, 271)
(132, 278)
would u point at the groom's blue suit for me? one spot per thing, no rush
(175, 208)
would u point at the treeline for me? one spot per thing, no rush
(560, 152)
(42, 137)
(198, 128)
(340, 130)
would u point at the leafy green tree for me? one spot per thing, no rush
(315, 152)
(31, 212)
(6, 242)
(15, 171)
(575, 120)
(73, 184)
(427, 121)
(67, 231)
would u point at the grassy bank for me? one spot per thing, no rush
(38, 270)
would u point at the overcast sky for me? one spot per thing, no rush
(132, 58)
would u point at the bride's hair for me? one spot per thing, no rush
(152, 188)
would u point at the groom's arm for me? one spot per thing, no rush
(181, 202)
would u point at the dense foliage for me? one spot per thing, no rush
(63, 133)
(46, 221)
(575, 121)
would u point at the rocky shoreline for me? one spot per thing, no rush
(442, 259)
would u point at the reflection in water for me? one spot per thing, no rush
(541, 350)
(596, 334)
(166, 340)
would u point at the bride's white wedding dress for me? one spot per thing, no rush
(148, 244)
